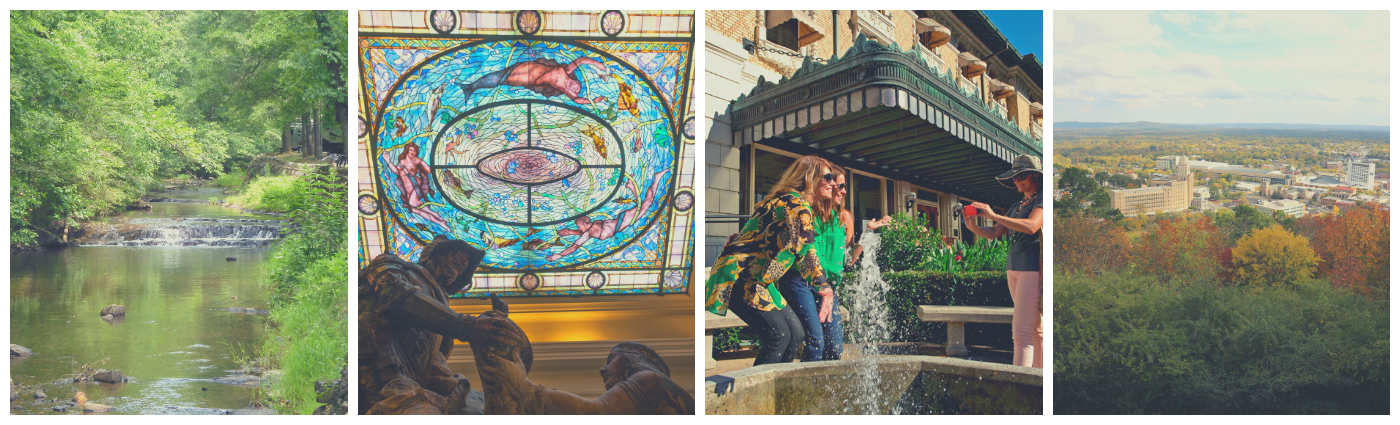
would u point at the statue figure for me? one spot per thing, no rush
(635, 377)
(407, 329)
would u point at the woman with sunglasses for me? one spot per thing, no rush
(1023, 264)
(780, 238)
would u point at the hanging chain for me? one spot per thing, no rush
(787, 53)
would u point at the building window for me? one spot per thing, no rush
(768, 168)
(784, 34)
(866, 199)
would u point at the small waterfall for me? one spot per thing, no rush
(220, 233)
(869, 326)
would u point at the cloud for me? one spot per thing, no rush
(1250, 66)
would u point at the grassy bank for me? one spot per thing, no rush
(306, 278)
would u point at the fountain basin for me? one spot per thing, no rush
(907, 385)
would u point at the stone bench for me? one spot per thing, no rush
(957, 316)
(715, 322)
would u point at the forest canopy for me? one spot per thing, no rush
(106, 104)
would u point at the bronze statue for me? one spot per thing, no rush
(407, 328)
(636, 378)
(407, 331)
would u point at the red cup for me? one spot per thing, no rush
(969, 211)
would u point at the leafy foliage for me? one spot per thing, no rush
(1354, 247)
(306, 275)
(1133, 344)
(1273, 257)
(106, 104)
(908, 244)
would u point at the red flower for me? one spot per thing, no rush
(957, 258)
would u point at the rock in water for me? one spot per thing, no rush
(231, 259)
(113, 310)
(109, 376)
(97, 408)
(17, 350)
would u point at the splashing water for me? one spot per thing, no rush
(868, 325)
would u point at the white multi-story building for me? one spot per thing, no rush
(1171, 162)
(1288, 206)
(1361, 174)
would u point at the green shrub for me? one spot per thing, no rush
(910, 289)
(306, 277)
(1134, 344)
(908, 244)
(273, 193)
(231, 179)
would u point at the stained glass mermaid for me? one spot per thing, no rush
(544, 76)
(603, 229)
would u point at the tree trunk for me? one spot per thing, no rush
(305, 134)
(287, 139)
(316, 135)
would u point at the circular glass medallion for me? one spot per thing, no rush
(368, 205)
(690, 128)
(596, 280)
(443, 21)
(528, 21)
(675, 279)
(684, 201)
(528, 281)
(612, 23)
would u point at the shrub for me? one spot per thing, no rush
(904, 243)
(1188, 250)
(1132, 344)
(306, 276)
(273, 193)
(231, 179)
(910, 289)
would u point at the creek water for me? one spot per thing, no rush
(868, 326)
(178, 343)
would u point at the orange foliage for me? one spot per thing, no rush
(1192, 249)
(1355, 248)
(1084, 244)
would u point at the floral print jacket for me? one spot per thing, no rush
(777, 238)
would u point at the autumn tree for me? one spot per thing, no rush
(1084, 244)
(1188, 248)
(1273, 257)
(1354, 247)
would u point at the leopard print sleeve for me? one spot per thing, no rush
(804, 245)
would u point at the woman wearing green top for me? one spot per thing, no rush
(779, 237)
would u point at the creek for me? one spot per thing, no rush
(180, 269)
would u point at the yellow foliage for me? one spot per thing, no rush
(1273, 257)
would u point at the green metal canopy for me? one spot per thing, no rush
(884, 111)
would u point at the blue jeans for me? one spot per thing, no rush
(823, 340)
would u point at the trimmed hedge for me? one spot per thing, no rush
(910, 289)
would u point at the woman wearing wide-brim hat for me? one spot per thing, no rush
(1023, 265)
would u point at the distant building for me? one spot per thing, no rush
(1360, 174)
(1332, 164)
(1171, 162)
(1172, 195)
(1290, 207)
(1214, 169)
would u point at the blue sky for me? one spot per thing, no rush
(1025, 29)
(1294, 67)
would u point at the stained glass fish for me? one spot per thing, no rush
(598, 144)
(626, 101)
